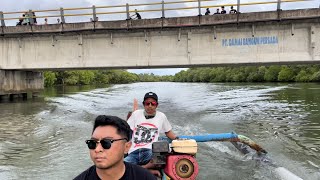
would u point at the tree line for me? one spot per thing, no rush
(86, 77)
(275, 73)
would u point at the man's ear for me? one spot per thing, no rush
(127, 147)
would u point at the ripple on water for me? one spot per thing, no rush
(54, 138)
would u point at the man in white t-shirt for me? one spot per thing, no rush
(147, 124)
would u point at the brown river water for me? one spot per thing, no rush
(43, 138)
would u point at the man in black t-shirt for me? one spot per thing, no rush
(110, 140)
(132, 172)
(207, 11)
(232, 11)
(136, 15)
(223, 11)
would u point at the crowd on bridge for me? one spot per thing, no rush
(29, 18)
(223, 11)
(26, 20)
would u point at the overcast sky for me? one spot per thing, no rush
(23, 5)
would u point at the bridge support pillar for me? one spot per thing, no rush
(314, 42)
(20, 84)
(315, 45)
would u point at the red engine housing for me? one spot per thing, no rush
(182, 167)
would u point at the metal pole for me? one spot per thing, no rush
(279, 5)
(162, 9)
(31, 17)
(94, 13)
(279, 10)
(2, 19)
(238, 6)
(199, 7)
(62, 16)
(127, 9)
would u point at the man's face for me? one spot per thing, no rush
(150, 105)
(108, 158)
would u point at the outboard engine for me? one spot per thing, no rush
(179, 163)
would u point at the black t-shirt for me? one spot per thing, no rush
(132, 172)
(138, 15)
(223, 12)
(233, 11)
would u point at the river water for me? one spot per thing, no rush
(44, 138)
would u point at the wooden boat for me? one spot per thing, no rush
(177, 159)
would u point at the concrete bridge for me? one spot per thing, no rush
(277, 37)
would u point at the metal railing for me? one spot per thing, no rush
(61, 12)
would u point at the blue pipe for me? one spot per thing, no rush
(207, 137)
(211, 137)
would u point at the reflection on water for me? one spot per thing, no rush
(45, 137)
(63, 90)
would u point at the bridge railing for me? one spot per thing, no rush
(126, 9)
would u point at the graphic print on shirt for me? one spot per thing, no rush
(144, 134)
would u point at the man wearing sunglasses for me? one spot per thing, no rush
(110, 140)
(147, 124)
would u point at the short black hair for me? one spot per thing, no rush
(121, 125)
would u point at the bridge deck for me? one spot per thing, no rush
(282, 37)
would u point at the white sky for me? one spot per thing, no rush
(24, 5)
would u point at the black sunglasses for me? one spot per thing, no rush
(105, 143)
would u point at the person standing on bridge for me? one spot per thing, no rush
(109, 141)
(20, 20)
(34, 18)
(223, 11)
(147, 124)
(26, 19)
(217, 12)
(136, 15)
(207, 11)
(45, 21)
(232, 11)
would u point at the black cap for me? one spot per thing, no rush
(150, 95)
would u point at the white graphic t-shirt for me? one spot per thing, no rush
(146, 131)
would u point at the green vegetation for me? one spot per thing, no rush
(86, 77)
(297, 73)
(49, 78)
(153, 78)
